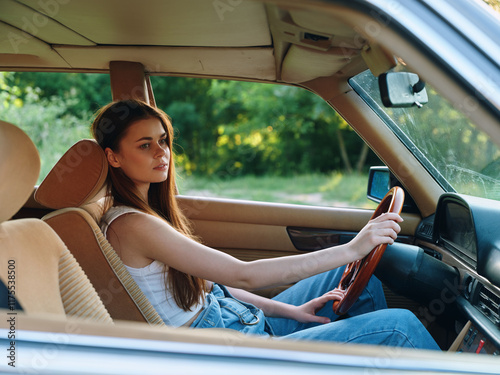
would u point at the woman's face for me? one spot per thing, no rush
(143, 153)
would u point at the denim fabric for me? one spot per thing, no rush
(368, 321)
(371, 299)
(225, 311)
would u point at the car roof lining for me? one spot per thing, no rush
(170, 23)
(254, 38)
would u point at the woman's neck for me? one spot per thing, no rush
(143, 191)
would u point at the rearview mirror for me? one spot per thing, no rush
(402, 89)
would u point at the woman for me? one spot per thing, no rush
(193, 285)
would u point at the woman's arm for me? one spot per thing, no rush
(305, 313)
(141, 238)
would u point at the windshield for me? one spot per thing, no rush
(459, 156)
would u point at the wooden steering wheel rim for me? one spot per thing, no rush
(357, 274)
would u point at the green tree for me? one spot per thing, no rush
(47, 121)
(279, 129)
(81, 92)
(186, 101)
(226, 128)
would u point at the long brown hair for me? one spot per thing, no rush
(109, 127)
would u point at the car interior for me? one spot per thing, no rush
(65, 290)
(68, 272)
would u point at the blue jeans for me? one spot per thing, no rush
(368, 322)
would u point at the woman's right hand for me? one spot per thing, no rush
(383, 229)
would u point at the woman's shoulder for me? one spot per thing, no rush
(114, 213)
(117, 211)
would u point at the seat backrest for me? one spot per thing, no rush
(76, 189)
(38, 270)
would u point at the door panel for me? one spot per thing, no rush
(252, 230)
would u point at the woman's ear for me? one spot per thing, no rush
(112, 159)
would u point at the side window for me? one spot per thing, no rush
(54, 109)
(238, 140)
(263, 142)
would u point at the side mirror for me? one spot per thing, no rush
(402, 89)
(380, 181)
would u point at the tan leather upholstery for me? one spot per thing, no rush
(44, 275)
(76, 178)
(76, 187)
(19, 159)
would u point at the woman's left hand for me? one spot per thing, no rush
(306, 313)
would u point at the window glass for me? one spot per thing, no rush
(263, 142)
(54, 109)
(458, 154)
(239, 140)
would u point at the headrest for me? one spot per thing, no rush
(76, 178)
(19, 169)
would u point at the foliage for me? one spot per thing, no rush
(464, 155)
(493, 4)
(443, 138)
(46, 121)
(334, 189)
(186, 101)
(231, 128)
(223, 128)
(81, 92)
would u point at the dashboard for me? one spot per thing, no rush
(455, 230)
(469, 229)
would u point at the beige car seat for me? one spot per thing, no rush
(36, 267)
(75, 188)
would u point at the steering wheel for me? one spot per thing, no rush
(357, 273)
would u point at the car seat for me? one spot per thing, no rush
(75, 188)
(39, 274)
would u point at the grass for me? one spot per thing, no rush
(335, 189)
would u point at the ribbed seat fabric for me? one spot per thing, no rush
(77, 294)
(46, 277)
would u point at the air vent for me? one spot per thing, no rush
(488, 304)
(425, 230)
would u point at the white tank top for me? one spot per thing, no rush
(151, 280)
